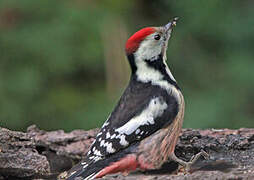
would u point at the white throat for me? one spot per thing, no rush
(150, 50)
(146, 73)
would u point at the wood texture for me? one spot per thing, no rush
(37, 154)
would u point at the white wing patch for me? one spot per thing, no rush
(155, 109)
(110, 140)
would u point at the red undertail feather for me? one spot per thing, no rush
(125, 165)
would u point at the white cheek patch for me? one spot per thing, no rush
(155, 109)
(149, 48)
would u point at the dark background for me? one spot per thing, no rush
(62, 63)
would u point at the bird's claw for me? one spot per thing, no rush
(202, 153)
(194, 158)
(187, 165)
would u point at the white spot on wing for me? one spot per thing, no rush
(102, 143)
(106, 122)
(107, 135)
(155, 109)
(84, 166)
(123, 141)
(97, 153)
(113, 136)
(91, 157)
(100, 133)
(96, 158)
(118, 136)
(109, 148)
(137, 131)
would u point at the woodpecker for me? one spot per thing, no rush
(143, 129)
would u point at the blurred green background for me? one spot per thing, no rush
(62, 63)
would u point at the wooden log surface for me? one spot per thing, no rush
(38, 154)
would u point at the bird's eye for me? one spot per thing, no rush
(157, 37)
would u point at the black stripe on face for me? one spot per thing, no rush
(131, 59)
(159, 65)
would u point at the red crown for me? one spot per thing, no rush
(134, 41)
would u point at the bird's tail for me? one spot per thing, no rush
(85, 171)
(91, 170)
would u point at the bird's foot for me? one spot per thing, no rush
(187, 165)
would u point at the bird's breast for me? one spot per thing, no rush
(156, 149)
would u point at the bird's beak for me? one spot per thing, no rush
(169, 27)
(167, 33)
(171, 24)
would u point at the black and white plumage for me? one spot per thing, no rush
(142, 110)
(148, 117)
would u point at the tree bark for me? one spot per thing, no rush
(37, 154)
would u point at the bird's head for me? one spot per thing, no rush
(150, 42)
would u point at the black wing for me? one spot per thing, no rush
(134, 103)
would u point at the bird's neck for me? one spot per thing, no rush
(152, 70)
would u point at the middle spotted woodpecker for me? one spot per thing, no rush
(142, 131)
